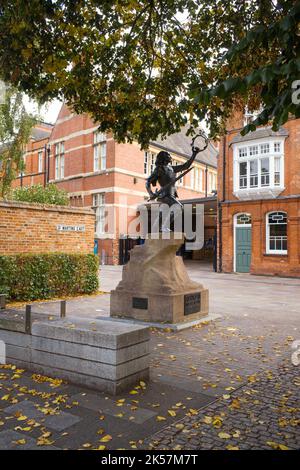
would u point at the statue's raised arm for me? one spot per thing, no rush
(195, 151)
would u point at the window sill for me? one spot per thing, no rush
(285, 255)
(258, 193)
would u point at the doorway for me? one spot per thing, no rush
(242, 243)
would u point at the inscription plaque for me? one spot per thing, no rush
(140, 302)
(192, 303)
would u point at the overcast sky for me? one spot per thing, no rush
(48, 112)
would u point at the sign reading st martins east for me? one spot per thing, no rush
(70, 228)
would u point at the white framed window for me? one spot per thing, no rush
(212, 182)
(99, 208)
(243, 152)
(243, 175)
(59, 156)
(277, 171)
(265, 148)
(258, 168)
(276, 233)
(253, 173)
(197, 178)
(277, 147)
(243, 219)
(149, 162)
(99, 151)
(40, 161)
(253, 150)
(265, 172)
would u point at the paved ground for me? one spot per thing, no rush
(237, 371)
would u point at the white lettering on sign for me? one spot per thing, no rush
(71, 228)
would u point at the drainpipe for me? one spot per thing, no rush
(45, 165)
(220, 205)
(48, 164)
(206, 179)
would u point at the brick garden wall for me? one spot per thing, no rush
(32, 228)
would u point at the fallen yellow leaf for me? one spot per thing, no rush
(106, 438)
(224, 435)
(160, 418)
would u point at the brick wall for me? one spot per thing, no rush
(32, 228)
(261, 261)
(288, 201)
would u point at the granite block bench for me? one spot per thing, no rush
(108, 356)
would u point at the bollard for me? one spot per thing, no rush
(63, 308)
(2, 301)
(28, 319)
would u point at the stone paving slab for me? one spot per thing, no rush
(108, 406)
(58, 422)
(14, 440)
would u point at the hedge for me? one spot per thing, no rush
(43, 276)
(49, 194)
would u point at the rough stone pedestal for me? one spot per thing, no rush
(155, 285)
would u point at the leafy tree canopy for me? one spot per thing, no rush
(144, 67)
(49, 194)
(15, 130)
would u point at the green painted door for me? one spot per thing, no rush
(243, 249)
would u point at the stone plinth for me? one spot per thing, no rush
(155, 285)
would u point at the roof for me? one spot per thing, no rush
(41, 132)
(260, 133)
(180, 143)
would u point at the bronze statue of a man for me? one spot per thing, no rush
(167, 175)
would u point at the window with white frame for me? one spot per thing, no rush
(197, 178)
(99, 151)
(259, 165)
(99, 209)
(212, 182)
(40, 161)
(276, 236)
(243, 219)
(59, 157)
(149, 162)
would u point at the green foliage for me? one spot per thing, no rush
(15, 129)
(43, 276)
(274, 79)
(144, 68)
(50, 194)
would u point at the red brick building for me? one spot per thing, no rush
(259, 200)
(98, 172)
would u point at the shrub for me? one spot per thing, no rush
(43, 276)
(49, 194)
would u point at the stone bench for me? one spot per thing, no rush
(105, 355)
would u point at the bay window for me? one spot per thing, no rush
(259, 168)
